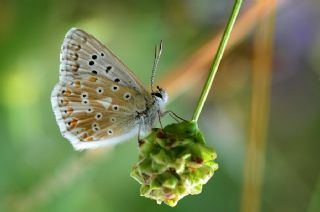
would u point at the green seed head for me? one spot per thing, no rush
(173, 163)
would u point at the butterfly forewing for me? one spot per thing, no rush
(82, 54)
(96, 100)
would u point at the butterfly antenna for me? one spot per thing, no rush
(157, 54)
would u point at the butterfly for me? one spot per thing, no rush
(98, 100)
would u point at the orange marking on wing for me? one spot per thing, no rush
(84, 136)
(64, 102)
(66, 92)
(75, 67)
(92, 79)
(89, 138)
(69, 110)
(77, 84)
(72, 123)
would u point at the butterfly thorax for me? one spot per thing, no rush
(153, 109)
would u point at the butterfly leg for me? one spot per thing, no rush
(173, 115)
(139, 129)
(142, 124)
(159, 116)
(139, 139)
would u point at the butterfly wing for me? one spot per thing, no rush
(82, 54)
(96, 99)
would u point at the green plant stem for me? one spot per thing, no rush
(217, 59)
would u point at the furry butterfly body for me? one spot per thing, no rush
(98, 101)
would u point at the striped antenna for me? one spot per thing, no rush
(157, 54)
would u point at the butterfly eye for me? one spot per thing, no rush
(158, 95)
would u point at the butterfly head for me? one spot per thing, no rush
(160, 96)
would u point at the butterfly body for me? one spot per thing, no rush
(98, 100)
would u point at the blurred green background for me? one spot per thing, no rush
(41, 172)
